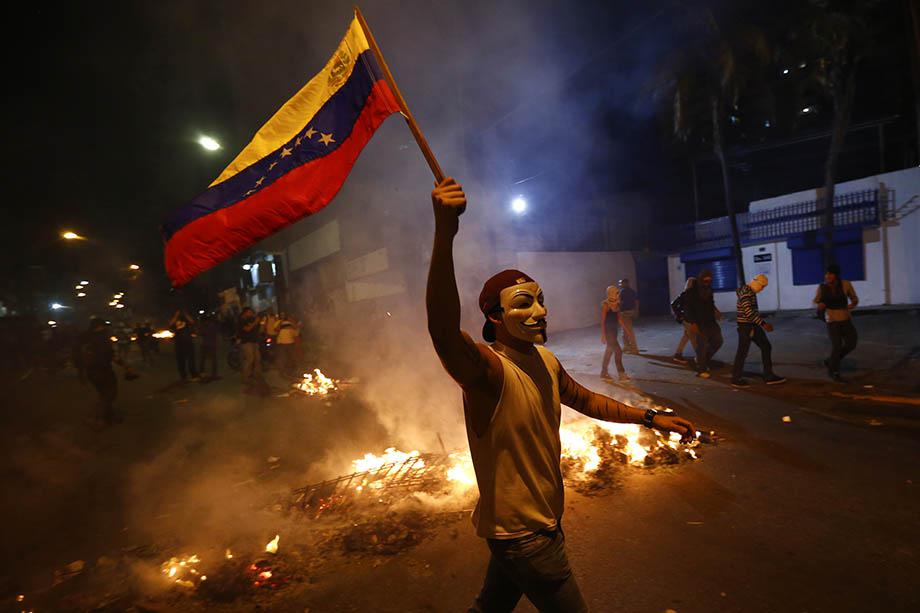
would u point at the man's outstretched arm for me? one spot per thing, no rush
(598, 406)
(466, 362)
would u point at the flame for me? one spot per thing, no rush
(461, 472)
(391, 455)
(182, 571)
(163, 334)
(316, 383)
(228, 555)
(272, 546)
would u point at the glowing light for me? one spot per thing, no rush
(246, 267)
(807, 109)
(785, 71)
(272, 546)
(51, 322)
(114, 339)
(316, 384)
(71, 236)
(519, 205)
(84, 282)
(119, 306)
(81, 294)
(163, 334)
(208, 143)
(134, 267)
(57, 306)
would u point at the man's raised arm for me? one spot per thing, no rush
(574, 395)
(464, 360)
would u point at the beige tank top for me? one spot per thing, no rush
(517, 459)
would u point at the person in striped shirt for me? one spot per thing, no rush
(753, 327)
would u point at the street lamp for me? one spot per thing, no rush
(81, 294)
(71, 236)
(208, 143)
(519, 205)
(57, 306)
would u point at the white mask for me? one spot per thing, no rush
(523, 313)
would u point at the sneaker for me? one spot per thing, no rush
(703, 374)
(740, 383)
(624, 376)
(606, 375)
(774, 380)
(679, 359)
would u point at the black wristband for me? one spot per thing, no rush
(649, 418)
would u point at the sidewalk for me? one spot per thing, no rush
(882, 375)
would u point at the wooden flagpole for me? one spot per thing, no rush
(407, 114)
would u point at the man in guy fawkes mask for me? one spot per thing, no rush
(512, 395)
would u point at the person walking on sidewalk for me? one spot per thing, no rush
(610, 327)
(677, 308)
(753, 327)
(836, 298)
(700, 310)
(629, 310)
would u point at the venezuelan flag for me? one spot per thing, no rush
(294, 166)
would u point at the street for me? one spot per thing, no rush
(817, 513)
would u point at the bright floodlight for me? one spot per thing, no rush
(209, 143)
(70, 236)
(519, 205)
(56, 306)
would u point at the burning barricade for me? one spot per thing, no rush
(591, 452)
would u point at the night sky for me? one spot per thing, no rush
(106, 101)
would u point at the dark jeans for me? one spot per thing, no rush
(185, 359)
(843, 341)
(611, 330)
(534, 565)
(708, 342)
(209, 354)
(106, 384)
(746, 334)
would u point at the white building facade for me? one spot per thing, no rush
(876, 243)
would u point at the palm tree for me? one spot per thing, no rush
(836, 35)
(706, 81)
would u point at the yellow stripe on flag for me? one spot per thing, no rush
(296, 112)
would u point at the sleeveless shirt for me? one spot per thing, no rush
(517, 459)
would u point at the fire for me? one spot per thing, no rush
(391, 455)
(316, 384)
(461, 472)
(163, 334)
(272, 546)
(182, 571)
(228, 555)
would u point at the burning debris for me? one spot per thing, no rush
(183, 571)
(316, 384)
(591, 451)
(272, 546)
(163, 334)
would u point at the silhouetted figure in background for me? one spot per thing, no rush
(182, 325)
(835, 299)
(700, 310)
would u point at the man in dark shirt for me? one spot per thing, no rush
(250, 333)
(629, 310)
(93, 357)
(700, 310)
(182, 326)
(209, 329)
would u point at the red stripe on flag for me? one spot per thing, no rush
(209, 240)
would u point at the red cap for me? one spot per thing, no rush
(489, 297)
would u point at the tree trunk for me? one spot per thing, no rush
(719, 150)
(843, 104)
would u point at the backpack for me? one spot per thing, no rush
(677, 307)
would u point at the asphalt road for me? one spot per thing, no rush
(817, 513)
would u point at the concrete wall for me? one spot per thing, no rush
(574, 283)
(891, 252)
